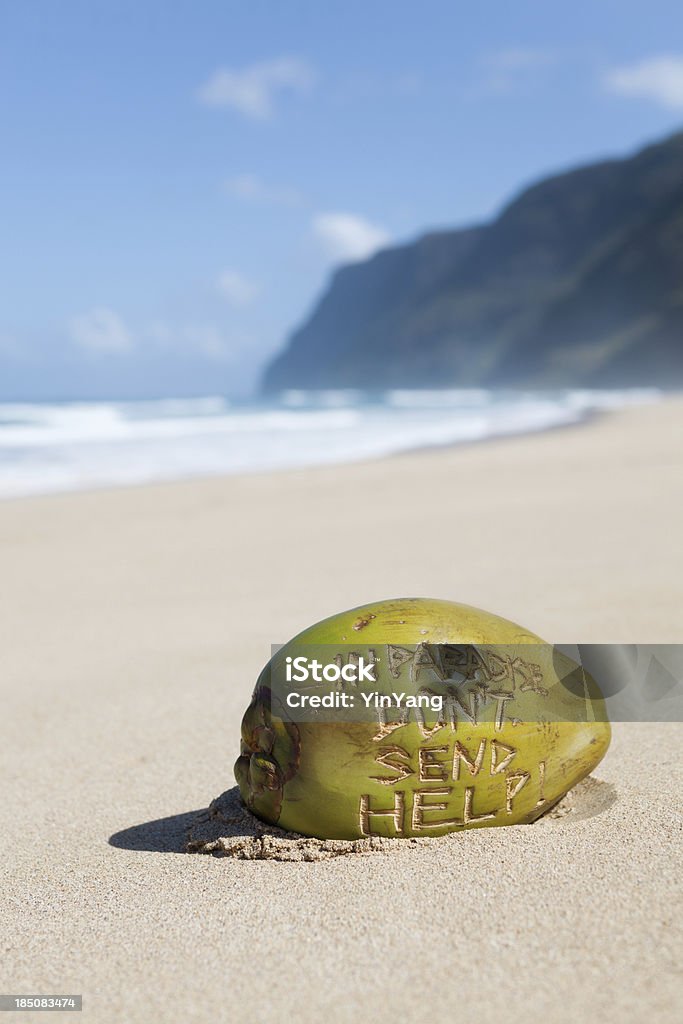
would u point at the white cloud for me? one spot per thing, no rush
(506, 71)
(252, 90)
(251, 188)
(202, 339)
(346, 236)
(656, 78)
(100, 330)
(237, 289)
(207, 340)
(210, 342)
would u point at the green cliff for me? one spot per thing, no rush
(579, 281)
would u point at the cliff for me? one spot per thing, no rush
(578, 282)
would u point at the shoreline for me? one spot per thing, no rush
(587, 418)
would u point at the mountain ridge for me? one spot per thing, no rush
(578, 281)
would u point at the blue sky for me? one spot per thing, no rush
(179, 178)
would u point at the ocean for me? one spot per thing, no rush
(46, 448)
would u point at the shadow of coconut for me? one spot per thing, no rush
(164, 835)
(227, 829)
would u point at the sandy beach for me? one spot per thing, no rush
(133, 624)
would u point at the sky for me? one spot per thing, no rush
(180, 179)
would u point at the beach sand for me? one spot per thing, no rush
(133, 624)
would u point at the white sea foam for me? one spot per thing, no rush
(59, 447)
